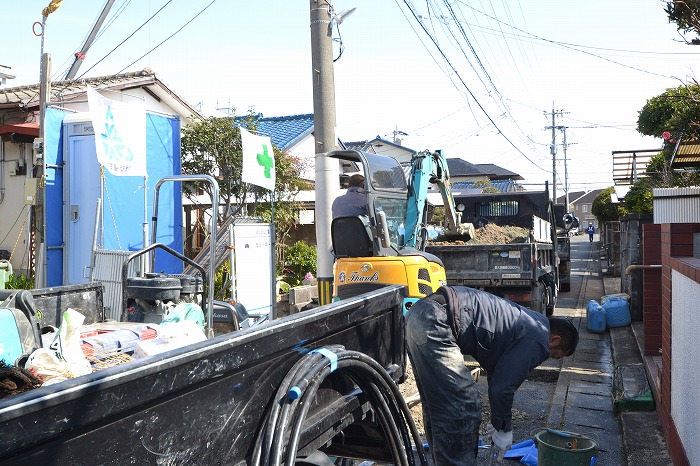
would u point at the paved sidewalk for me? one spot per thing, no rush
(583, 399)
(642, 438)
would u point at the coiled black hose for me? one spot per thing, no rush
(279, 439)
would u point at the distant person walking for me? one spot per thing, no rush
(590, 230)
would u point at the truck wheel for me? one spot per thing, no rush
(540, 304)
(551, 301)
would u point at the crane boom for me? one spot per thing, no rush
(80, 56)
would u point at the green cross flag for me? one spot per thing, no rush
(258, 160)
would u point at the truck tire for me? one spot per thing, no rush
(541, 298)
(551, 301)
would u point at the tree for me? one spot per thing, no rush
(639, 199)
(677, 111)
(604, 209)
(213, 147)
(686, 15)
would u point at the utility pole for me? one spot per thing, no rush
(40, 261)
(553, 151)
(326, 170)
(566, 169)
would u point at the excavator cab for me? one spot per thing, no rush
(369, 250)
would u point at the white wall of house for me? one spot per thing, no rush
(13, 211)
(685, 370)
(304, 150)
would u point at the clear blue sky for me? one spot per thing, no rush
(506, 63)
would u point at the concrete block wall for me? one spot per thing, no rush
(651, 289)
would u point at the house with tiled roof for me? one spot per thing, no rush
(381, 146)
(580, 204)
(469, 178)
(293, 134)
(19, 127)
(21, 104)
(494, 172)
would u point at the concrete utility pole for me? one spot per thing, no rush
(566, 169)
(326, 170)
(553, 151)
(39, 209)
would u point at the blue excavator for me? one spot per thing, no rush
(386, 247)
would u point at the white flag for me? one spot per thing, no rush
(258, 160)
(120, 134)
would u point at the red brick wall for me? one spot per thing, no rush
(676, 247)
(651, 288)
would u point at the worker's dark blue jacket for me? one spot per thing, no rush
(506, 339)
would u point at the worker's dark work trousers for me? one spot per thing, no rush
(449, 396)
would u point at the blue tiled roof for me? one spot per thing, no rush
(284, 131)
(467, 187)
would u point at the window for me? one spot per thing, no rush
(395, 211)
(497, 209)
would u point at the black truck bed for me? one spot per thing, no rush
(204, 403)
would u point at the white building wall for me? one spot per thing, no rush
(15, 214)
(304, 150)
(676, 205)
(685, 370)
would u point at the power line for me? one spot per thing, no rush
(170, 36)
(565, 45)
(127, 38)
(444, 56)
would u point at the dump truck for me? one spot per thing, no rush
(314, 385)
(523, 269)
(565, 221)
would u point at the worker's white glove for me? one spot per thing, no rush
(500, 438)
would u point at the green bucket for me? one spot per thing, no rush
(557, 448)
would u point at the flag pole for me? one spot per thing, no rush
(273, 258)
(145, 258)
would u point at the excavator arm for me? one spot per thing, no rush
(426, 169)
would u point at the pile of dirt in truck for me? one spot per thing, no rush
(489, 234)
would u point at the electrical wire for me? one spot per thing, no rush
(278, 441)
(64, 66)
(127, 38)
(170, 36)
(469, 91)
(565, 45)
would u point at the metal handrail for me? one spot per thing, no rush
(212, 244)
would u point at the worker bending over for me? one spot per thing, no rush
(506, 339)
